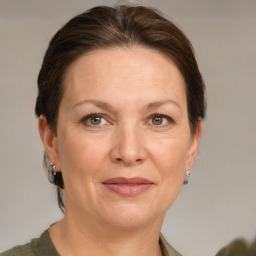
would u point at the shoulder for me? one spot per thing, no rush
(19, 251)
(38, 246)
(167, 249)
(238, 247)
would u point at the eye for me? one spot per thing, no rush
(94, 120)
(157, 120)
(160, 120)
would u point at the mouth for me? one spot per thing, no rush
(128, 186)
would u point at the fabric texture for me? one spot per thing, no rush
(167, 249)
(239, 247)
(43, 246)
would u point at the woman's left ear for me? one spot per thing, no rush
(192, 152)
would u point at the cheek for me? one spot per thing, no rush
(172, 155)
(171, 168)
(80, 157)
(170, 161)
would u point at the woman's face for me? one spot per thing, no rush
(123, 140)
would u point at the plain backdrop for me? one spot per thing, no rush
(219, 202)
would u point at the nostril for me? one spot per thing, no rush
(119, 159)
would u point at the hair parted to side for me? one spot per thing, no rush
(106, 27)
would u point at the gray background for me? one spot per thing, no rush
(219, 202)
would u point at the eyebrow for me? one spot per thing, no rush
(107, 106)
(97, 103)
(158, 104)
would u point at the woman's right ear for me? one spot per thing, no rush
(48, 138)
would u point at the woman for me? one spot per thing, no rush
(120, 103)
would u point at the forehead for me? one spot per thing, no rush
(129, 69)
(124, 59)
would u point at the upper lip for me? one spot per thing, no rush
(123, 180)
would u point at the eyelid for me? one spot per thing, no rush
(169, 119)
(87, 117)
(84, 120)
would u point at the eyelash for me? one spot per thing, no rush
(86, 119)
(169, 119)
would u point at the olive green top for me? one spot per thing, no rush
(43, 246)
(238, 247)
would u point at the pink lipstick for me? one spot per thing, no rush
(128, 186)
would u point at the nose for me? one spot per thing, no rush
(128, 146)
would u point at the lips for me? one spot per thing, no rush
(128, 186)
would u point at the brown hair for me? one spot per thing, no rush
(123, 26)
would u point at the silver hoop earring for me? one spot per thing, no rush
(187, 175)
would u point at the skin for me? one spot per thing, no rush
(127, 87)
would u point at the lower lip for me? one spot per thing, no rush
(128, 189)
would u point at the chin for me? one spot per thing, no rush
(131, 215)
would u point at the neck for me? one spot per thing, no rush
(71, 236)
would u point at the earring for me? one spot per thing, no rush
(53, 169)
(187, 175)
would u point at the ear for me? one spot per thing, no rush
(49, 140)
(192, 152)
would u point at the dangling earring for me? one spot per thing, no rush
(186, 177)
(53, 169)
